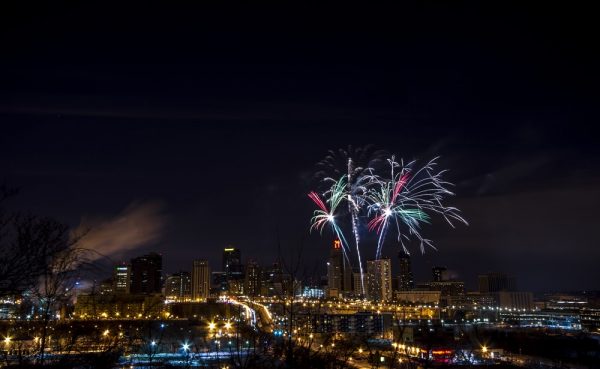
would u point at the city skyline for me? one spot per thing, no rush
(298, 185)
(338, 276)
(204, 147)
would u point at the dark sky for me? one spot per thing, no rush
(184, 130)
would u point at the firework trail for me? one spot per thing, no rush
(406, 199)
(354, 164)
(326, 215)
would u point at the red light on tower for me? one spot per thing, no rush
(337, 244)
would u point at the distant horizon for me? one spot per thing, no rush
(470, 286)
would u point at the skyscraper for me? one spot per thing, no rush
(122, 278)
(339, 272)
(347, 278)
(200, 279)
(357, 281)
(234, 271)
(232, 261)
(439, 273)
(335, 267)
(405, 280)
(273, 283)
(146, 273)
(253, 279)
(379, 275)
(178, 286)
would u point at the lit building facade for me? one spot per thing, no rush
(178, 286)
(379, 276)
(200, 280)
(122, 278)
(515, 300)
(253, 279)
(339, 272)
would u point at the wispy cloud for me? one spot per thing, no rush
(138, 225)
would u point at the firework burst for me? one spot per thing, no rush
(327, 211)
(355, 164)
(400, 201)
(406, 199)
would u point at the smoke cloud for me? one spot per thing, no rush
(138, 225)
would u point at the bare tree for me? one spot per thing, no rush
(56, 284)
(27, 245)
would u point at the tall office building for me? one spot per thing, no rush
(178, 286)
(200, 279)
(335, 267)
(496, 282)
(122, 278)
(347, 288)
(146, 273)
(405, 280)
(439, 273)
(273, 281)
(339, 272)
(379, 274)
(253, 279)
(232, 261)
(359, 282)
(234, 271)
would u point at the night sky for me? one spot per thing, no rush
(185, 130)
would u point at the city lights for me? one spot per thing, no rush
(203, 192)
